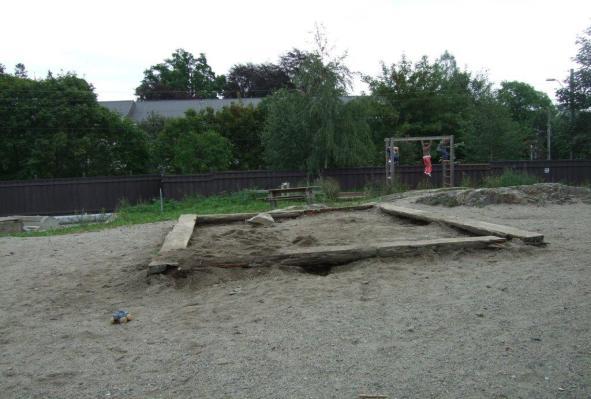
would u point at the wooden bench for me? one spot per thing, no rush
(293, 193)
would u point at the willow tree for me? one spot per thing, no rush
(313, 123)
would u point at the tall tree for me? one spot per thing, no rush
(575, 96)
(20, 71)
(291, 61)
(529, 108)
(255, 80)
(55, 128)
(312, 128)
(189, 145)
(182, 76)
(422, 99)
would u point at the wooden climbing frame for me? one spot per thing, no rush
(447, 166)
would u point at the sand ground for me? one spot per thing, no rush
(510, 323)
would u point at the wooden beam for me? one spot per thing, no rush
(240, 217)
(470, 225)
(337, 255)
(181, 233)
(424, 138)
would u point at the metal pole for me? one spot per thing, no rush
(452, 156)
(548, 137)
(571, 101)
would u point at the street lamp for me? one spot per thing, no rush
(549, 126)
(571, 106)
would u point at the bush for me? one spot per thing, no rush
(510, 178)
(330, 187)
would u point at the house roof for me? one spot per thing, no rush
(123, 108)
(176, 108)
(141, 110)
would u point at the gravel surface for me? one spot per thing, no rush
(497, 323)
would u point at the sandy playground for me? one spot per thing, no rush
(495, 323)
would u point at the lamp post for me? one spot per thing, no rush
(549, 125)
(571, 106)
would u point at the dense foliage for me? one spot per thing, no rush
(54, 127)
(180, 77)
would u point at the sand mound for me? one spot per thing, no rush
(537, 194)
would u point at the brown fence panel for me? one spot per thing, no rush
(178, 187)
(78, 195)
(95, 194)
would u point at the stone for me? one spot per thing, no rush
(262, 219)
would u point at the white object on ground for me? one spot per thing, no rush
(263, 219)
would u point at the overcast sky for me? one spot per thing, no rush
(111, 43)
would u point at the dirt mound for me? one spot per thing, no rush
(536, 194)
(305, 241)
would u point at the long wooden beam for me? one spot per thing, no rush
(470, 225)
(181, 233)
(424, 138)
(337, 255)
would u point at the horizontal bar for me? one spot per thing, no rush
(425, 138)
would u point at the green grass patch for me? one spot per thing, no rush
(510, 178)
(240, 202)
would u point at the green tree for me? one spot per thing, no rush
(491, 134)
(255, 80)
(575, 98)
(182, 146)
(421, 99)
(201, 152)
(54, 127)
(242, 126)
(182, 76)
(20, 71)
(529, 108)
(312, 128)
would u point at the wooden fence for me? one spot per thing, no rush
(97, 194)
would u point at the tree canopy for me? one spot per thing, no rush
(261, 80)
(180, 77)
(54, 127)
(312, 128)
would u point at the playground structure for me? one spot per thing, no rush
(447, 165)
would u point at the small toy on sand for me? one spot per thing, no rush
(121, 317)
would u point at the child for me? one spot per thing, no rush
(427, 157)
(443, 149)
(396, 156)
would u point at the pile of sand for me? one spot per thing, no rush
(326, 229)
(536, 194)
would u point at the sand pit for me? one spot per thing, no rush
(323, 230)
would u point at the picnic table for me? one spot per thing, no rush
(292, 193)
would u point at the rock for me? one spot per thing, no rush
(262, 219)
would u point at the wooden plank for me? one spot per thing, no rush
(423, 138)
(222, 218)
(338, 255)
(471, 225)
(181, 233)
